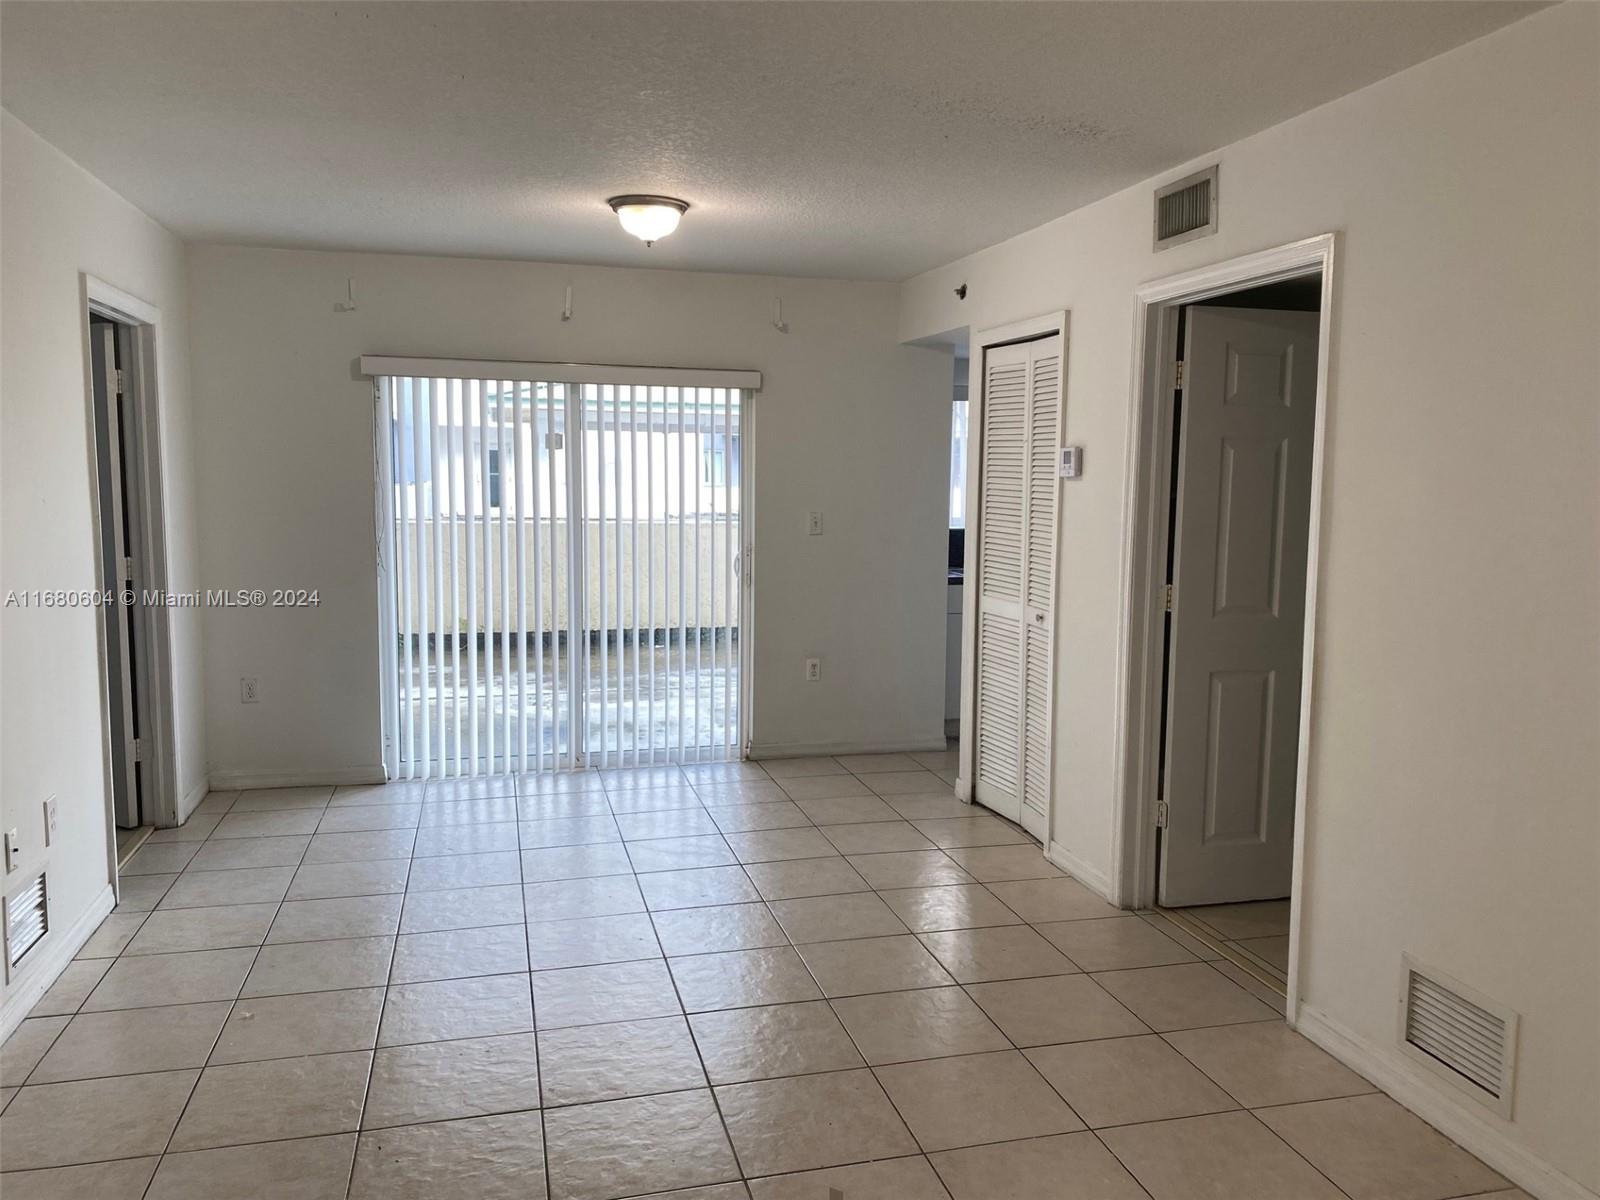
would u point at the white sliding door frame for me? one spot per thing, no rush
(1137, 736)
(744, 580)
(557, 373)
(1029, 329)
(411, 564)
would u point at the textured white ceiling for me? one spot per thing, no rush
(853, 140)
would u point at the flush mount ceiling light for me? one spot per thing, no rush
(648, 217)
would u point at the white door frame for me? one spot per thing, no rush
(981, 343)
(1136, 739)
(384, 516)
(142, 322)
(744, 576)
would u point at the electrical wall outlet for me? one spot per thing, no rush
(813, 669)
(814, 524)
(247, 691)
(50, 821)
(13, 850)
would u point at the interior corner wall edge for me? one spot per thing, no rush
(847, 421)
(1453, 779)
(56, 221)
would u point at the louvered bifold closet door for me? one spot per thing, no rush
(481, 563)
(1019, 448)
(1044, 440)
(1002, 499)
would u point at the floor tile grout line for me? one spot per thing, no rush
(729, 1008)
(716, 1100)
(93, 1162)
(1019, 1050)
(533, 1012)
(1053, 1089)
(855, 1044)
(56, 1037)
(221, 1029)
(865, 1062)
(265, 1141)
(1297, 1153)
(377, 1035)
(486, 887)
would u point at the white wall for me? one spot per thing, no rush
(1453, 801)
(848, 422)
(55, 222)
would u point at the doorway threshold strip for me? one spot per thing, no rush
(1250, 964)
(129, 841)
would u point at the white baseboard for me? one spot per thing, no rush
(189, 802)
(39, 975)
(238, 779)
(1092, 877)
(805, 749)
(1473, 1129)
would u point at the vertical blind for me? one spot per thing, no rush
(564, 573)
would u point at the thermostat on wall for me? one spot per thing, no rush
(1071, 462)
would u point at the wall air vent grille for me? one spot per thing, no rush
(27, 919)
(1467, 1039)
(1186, 209)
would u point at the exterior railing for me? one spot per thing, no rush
(662, 571)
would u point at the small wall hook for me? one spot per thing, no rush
(348, 304)
(566, 309)
(778, 322)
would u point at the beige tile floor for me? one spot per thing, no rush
(716, 983)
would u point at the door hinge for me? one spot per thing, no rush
(1177, 377)
(124, 571)
(1162, 812)
(122, 382)
(138, 749)
(1166, 598)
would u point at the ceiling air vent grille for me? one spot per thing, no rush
(27, 919)
(1464, 1037)
(1186, 209)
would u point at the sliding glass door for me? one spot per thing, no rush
(562, 573)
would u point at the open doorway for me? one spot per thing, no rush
(1219, 679)
(130, 563)
(955, 560)
(117, 466)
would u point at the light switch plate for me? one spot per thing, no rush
(1071, 462)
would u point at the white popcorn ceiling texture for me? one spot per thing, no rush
(867, 141)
